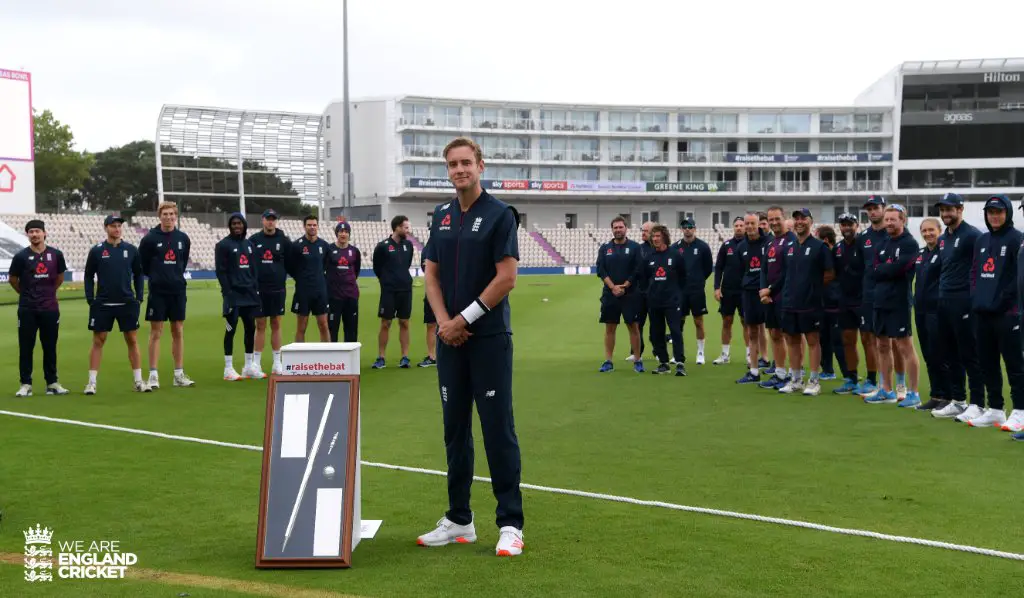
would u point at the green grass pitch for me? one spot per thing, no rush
(189, 509)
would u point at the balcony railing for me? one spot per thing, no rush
(507, 124)
(433, 151)
(420, 120)
(959, 105)
(562, 125)
(762, 186)
(568, 154)
(422, 151)
(795, 186)
(844, 128)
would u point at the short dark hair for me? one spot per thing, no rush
(776, 209)
(661, 228)
(308, 218)
(397, 221)
(762, 216)
(618, 219)
(826, 233)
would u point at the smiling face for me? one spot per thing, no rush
(848, 230)
(801, 225)
(752, 226)
(464, 169)
(739, 226)
(618, 230)
(168, 219)
(930, 232)
(36, 236)
(894, 222)
(775, 222)
(951, 215)
(236, 226)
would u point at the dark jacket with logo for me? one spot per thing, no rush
(272, 253)
(117, 268)
(699, 263)
(236, 264)
(391, 262)
(646, 249)
(665, 275)
(773, 269)
(927, 270)
(752, 257)
(993, 277)
(342, 271)
(37, 277)
(619, 262)
(849, 265)
(307, 263)
(729, 267)
(164, 260)
(956, 252)
(894, 271)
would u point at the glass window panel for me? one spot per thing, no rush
(795, 123)
(762, 123)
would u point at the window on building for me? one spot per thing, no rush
(795, 123)
(795, 147)
(450, 116)
(833, 146)
(762, 123)
(622, 121)
(688, 122)
(870, 145)
(761, 147)
(686, 175)
(724, 123)
(654, 122)
(416, 114)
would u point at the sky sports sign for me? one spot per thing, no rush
(807, 158)
(575, 186)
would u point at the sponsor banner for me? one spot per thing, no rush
(622, 186)
(528, 185)
(680, 187)
(957, 78)
(962, 117)
(804, 158)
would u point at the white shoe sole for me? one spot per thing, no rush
(468, 539)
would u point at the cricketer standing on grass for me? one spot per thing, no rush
(472, 260)
(645, 250)
(958, 348)
(751, 251)
(772, 279)
(617, 263)
(849, 268)
(997, 318)
(342, 288)
(112, 268)
(729, 289)
(236, 264)
(308, 264)
(392, 259)
(36, 273)
(926, 314)
(272, 248)
(699, 266)
(164, 252)
(664, 273)
(429, 321)
(831, 338)
(893, 275)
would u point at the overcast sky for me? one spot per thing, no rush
(106, 66)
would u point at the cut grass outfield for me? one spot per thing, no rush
(191, 509)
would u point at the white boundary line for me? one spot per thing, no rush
(569, 492)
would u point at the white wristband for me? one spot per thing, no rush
(474, 312)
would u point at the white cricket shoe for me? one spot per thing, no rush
(1014, 423)
(672, 360)
(230, 374)
(448, 532)
(901, 391)
(277, 369)
(90, 388)
(990, 417)
(154, 380)
(56, 389)
(972, 412)
(141, 386)
(631, 358)
(253, 371)
(183, 380)
(510, 542)
(812, 389)
(722, 360)
(24, 391)
(700, 358)
(792, 386)
(950, 411)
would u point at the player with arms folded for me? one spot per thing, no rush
(617, 263)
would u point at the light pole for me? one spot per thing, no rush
(347, 191)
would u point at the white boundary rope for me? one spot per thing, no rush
(569, 492)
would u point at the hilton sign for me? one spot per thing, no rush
(1002, 77)
(964, 78)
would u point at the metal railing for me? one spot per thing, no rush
(841, 128)
(574, 125)
(959, 105)
(571, 155)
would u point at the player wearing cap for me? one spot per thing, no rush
(729, 288)
(36, 273)
(392, 259)
(236, 264)
(308, 263)
(807, 264)
(342, 288)
(996, 310)
(699, 266)
(751, 251)
(468, 291)
(164, 252)
(113, 290)
(617, 263)
(926, 314)
(272, 247)
(893, 274)
(849, 266)
(429, 321)
(831, 336)
(957, 344)
(664, 273)
(772, 280)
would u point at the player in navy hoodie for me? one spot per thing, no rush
(236, 264)
(664, 274)
(995, 305)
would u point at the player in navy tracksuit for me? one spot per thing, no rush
(307, 264)
(926, 314)
(618, 261)
(392, 259)
(849, 266)
(751, 251)
(343, 264)
(665, 275)
(772, 279)
(472, 261)
(36, 273)
(236, 264)
(957, 345)
(807, 265)
(729, 288)
(870, 240)
(272, 249)
(645, 250)
(113, 290)
(831, 338)
(699, 267)
(430, 321)
(996, 308)
(165, 252)
(893, 275)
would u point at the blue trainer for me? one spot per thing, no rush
(827, 376)
(378, 364)
(882, 397)
(606, 367)
(782, 382)
(866, 388)
(749, 378)
(913, 400)
(638, 366)
(771, 382)
(848, 387)
(403, 362)
(1018, 436)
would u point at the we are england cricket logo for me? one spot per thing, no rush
(76, 559)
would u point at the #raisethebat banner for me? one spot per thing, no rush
(308, 502)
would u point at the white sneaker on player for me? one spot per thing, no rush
(56, 389)
(277, 369)
(510, 542)
(90, 388)
(448, 532)
(183, 380)
(141, 386)
(255, 372)
(901, 391)
(700, 357)
(990, 417)
(1014, 423)
(722, 360)
(792, 386)
(631, 358)
(24, 391)
(950, 411)
(672, 360)
(812, 389)
(972, 412)
(231, 375)
(154, 380)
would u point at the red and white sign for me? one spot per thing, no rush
(7, 178)
(17, 144)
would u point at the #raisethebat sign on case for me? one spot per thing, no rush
(309, 472)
